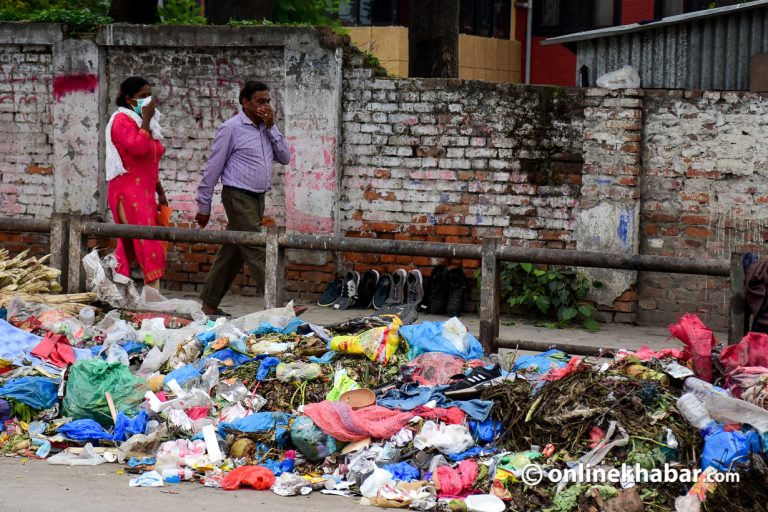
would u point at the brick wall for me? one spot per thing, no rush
(703, 194)
(26, 119)
(454, 161)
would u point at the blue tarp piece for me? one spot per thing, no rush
(182, 375)
(37, 392)
(84, 430)
(427, 337)
(126, 427)
(403, 472)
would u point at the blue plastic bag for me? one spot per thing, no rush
(722, 449)
(222, 355)
(182, 375)
(428, 337)
(485, 431)
(37, 392)
(403, 472)
(134, 347)
(84, 430)
(541, 363)
(126, 427)
(261, 422)
(266, 365)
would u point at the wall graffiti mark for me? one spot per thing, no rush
(68, 84)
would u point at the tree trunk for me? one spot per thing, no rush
(134, 11)
(219, 12)
(433, 39)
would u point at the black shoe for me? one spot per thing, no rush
(332, 292)
(348, 292)
(366, 289)
(474, 383)
(406, 312)
(438, 290)
(381, 293)
(414, 288)
(457, 291)
(397, 288)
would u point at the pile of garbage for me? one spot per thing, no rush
(400, 415)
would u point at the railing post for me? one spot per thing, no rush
(738, 320)
(78, 246)
(59, 245)
(490, 292)
(274, 271)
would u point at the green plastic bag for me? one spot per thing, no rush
(89, 380)
(341, 384)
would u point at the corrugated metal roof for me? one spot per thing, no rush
(670, 20)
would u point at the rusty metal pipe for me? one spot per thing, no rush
(25, 225)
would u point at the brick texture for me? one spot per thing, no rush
(26, 153)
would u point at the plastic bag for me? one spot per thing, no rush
(428, 337)
(148, 479)
(378, 479)
(117, 354)
(258, 477)
(435, 368)
(120, 331)
(37, 392)
(723, 449)
(456, 332)
(141, 445)
(278, 317)
(699, 341)
(87, 457)
(153, 300)
(445, 438)
(126, 427)
(152, 332)
(262, 422)
(111, 287)
(89, 380)
(291, 484)
(341, 384)
(187, 377)
(624, 78)
(84, 430)
(752, 350)
(298, 371)
(402, 471)
(378, 344)
(312, 442)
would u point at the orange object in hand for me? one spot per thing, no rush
(164, 219)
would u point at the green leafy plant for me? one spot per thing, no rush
(313, 12)
(76, 20)
(555, 298)
(181, 12)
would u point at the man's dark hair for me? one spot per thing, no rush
(251, 87)
(129, 87)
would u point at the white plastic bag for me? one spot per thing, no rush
(153, 300)
(624, 78)
(152, 332)
(456, 332)
(446, 438)
(378, 479)
(87, 457)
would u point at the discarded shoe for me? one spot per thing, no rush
(298, 310)
(457, 291)
(438, 290)
(332, 292)
(397, 288)
(367, 288)
(381, 293)
(406, 312)
(479, 379)
(348, 291)
(414, 286)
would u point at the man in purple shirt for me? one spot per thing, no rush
(242, 154)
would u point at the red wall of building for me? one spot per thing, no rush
(556, 65)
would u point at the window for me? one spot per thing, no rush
(486, 18)
(604, 13)
(557, 17)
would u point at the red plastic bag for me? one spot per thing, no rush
(435, 368)
(752, 350)
(699, 341)
(258, 477)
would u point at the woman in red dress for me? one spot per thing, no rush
(133, 164)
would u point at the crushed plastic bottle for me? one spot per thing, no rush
(694, 411)
(702, 388)
(87, 316)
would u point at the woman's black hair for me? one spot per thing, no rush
(129, 87)
(251, 87)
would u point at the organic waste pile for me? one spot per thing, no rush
(400, 415)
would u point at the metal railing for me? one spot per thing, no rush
(491, 253)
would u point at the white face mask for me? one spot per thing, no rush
(140, 103)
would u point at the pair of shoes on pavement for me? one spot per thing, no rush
(447, 291)
(374, 290)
